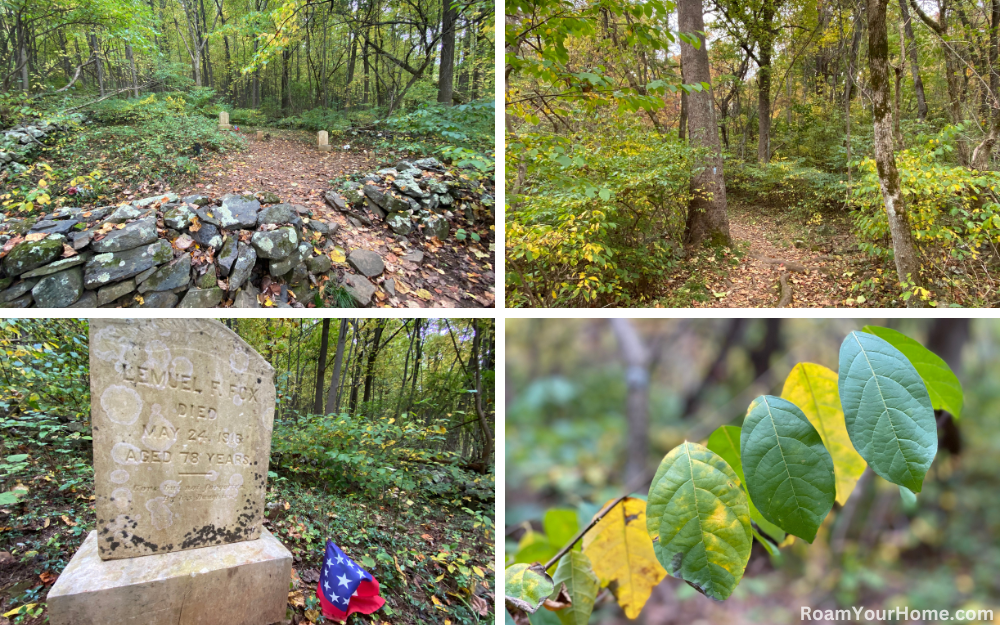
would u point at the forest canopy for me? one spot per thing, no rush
(795, 153)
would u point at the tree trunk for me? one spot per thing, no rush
(321, 368)
(907, 266)
(918, 85)
(23, 61)
(333, 397)
(372, 355)
(286, 91)
(706, 220)
(636, 358)
(764, 87)
(131, 62)
(682, 124)
(447, 73)
(983, 152)
(477, 342)
(97, 59)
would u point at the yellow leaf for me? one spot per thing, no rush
(42, 183)
(337, 255)
(423, 294)
(621, 551)
(18, 609)
(67, 521)
(296, 599)
(813, 388)
(35, 236)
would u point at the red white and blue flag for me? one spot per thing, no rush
(345, 588)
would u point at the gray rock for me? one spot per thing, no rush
(429, 163)
(235, 212)
(268, 198)
(54, 227)
(59, 290)
(246, 257)
(355, 221)
(366, 262)
(141, 277)
(374, 194)
(335, 201)
(278, 214)
(388, 171)
(299, 274)
(18, 226)
(394, 204)
(125, 212)
(141, 232)
(108, 294)
(374, 209)
(18, 290)
(436, 226)
(360, 289)
(436, 186)
(208, 279)
(173, 275)
(244, 299)
(350, 185)
(319, 226)
(400, 223)
(79, 240)
(94, 214)
(280, 267)
(87, 300)
(208, 236)
(159, 299)
(416, 257)
(404, 165)
(390, 287)
(169, 197)
(371, 178)
(114, 266)
(275, 244)
(407, 185)
(59, 265)
(178, 217)
(23, 302)
(445, 200)
(430, 202)
(227, 256)
(197, 200)
(29, 255)
(319, 264)
(202, 298)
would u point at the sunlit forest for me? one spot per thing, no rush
(383, 441)
(592, 406)
(752, 153)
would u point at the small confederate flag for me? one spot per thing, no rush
(344, 587)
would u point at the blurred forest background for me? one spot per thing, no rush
(582, 428)
(383, 442)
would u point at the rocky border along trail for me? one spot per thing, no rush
(453, 273)
(165, 251)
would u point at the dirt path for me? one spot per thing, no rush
(452, 273)
(814, 274)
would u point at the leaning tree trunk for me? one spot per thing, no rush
(918, 85)
(707, 220)
(907, 267)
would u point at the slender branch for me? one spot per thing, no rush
(597, 517)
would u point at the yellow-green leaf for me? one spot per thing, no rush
(576, 573)
(526, 587)
(621, 552)
(813, 388)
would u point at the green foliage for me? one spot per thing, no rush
(788, 470)
(785, 183)
(247, 117)
(526, 587)
(943, 385)
(577, 576)
(462, 134)
(699, 521)
(598, 217)
(887, 409)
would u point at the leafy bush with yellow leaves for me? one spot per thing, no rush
(594, 218)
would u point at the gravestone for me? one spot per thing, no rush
(260, 135)
(323, 141)
(182, 412)
(224, 121)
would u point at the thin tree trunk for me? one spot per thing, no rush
(477, 342)
(907, 266)
(918, 85)
(764, 88)
(97, 60)
(636, 358)
(372, 356)
(321, 368)
(447, 73)
(707, 220)
(332, 398)
(131, 62)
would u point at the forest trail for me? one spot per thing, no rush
(289, 165)
(813, 275)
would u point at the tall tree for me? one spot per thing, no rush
(911, 47)
(321, 367)
(706, 219)
(447, 72)
(904, 251)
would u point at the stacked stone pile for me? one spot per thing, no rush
(419, 196)
(164, 251)
(17, 144)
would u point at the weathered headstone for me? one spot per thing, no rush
(224, 121)
(182, 411)
(323, 141)
(260, 135)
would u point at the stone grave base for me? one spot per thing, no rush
(243, 583)
(324, 148)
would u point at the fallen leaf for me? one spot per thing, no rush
(48, 577)
(423, 294)
(67, 521)
(35, 236)
(68, 251)
(296, 599)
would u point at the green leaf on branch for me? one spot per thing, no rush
(561, 525)
(725, 441)
(526, 587)
(576, 573)
(813, 388)
(943, 385)
(789, 473)
(887, 409)
(698, 518)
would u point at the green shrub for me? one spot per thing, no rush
(599, 219)
(248, 117)
(785, 183)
